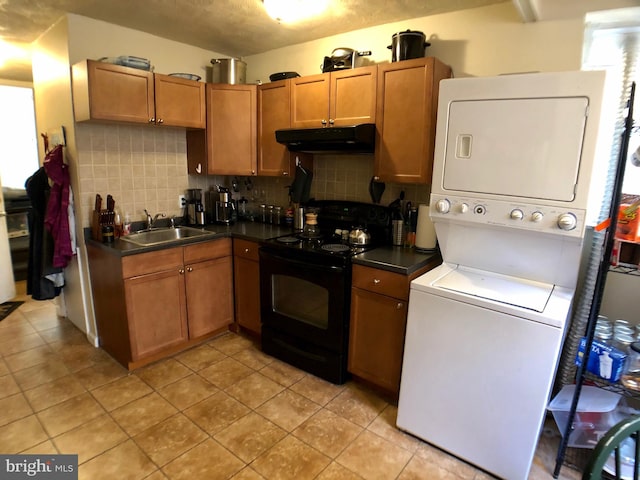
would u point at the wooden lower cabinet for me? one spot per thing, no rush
(379, 305)
(156, 325)
(209, 295)
(376, 338)
(152, 304)
(246, 269)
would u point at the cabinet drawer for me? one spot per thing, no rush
(381, 281)
(207, 250)
(245, 249)
(151, 262)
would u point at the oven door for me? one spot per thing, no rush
(305, 299)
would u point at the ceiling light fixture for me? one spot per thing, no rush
(290, 11)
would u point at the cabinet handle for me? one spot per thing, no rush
(199, 168)
(376, 281)
(246, 250)
(331, 121)
(181, 271)
(286, 174)
(189, 269)
(152, 120)
(160, 120)
(253, 172)
(399, 306)
(324, 122)
(376, 178)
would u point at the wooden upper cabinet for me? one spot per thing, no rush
(274, 112)
(406, 119)
(231, 140)
(107, 92)
(102, 91)
(310, 101)
(353, 96)
(179, 102)
(343, 97)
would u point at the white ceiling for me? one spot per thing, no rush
(241, 27)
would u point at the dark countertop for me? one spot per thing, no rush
(246, 230)
(394, 259)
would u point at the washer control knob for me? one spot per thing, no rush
(464, 208)
(537, 216)
(516, 214)
(443, 206)
(567, 221)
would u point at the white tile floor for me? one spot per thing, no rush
(220, 410)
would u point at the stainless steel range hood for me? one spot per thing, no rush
(345, 139)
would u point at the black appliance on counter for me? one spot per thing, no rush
(305, 287)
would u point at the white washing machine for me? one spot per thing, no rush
(513, 169)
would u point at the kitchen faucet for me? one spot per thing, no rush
(150, 220)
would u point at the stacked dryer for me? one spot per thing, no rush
(514, 162)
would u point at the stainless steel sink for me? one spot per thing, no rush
(147, 238)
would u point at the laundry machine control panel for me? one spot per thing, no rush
(491, 212)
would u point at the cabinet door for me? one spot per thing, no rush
(274, 112)
(310, 101)
(406, 119)
(209, 295)
(247, 293)
(179, 102)
(115, 93)
(353, 96)
(231, 129)
(376, 338)
(156, 308)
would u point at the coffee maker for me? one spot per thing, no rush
(194, 208)
(225, 207)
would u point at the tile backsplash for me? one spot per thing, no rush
(146, 167)
(140, 166)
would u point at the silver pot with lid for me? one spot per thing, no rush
(228, 70)
(359, 236)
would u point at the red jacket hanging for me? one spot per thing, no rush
(57, 219)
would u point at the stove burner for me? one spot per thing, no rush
(288, 240)
(335, 247)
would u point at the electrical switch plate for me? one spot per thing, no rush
(181, 201)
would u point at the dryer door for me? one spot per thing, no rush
(524, 147)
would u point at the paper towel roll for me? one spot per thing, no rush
(425, 232)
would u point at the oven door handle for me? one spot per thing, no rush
(279, 258)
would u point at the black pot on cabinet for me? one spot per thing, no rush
(407, 45)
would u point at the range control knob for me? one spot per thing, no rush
(464, 208)
(516, 214)
(443, 206)
(537, 216)
(567, 221)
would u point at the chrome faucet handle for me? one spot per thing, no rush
(172, 221)
(149, 219)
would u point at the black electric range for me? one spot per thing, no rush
(305, 287)
(336, 218)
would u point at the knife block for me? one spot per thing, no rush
(99, 219)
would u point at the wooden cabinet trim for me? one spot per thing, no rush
(381, 281)
(246, 249)
(207, 250)
(151, 262)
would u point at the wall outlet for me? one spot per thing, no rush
(182, 201)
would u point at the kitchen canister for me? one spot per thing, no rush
(425, 232)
